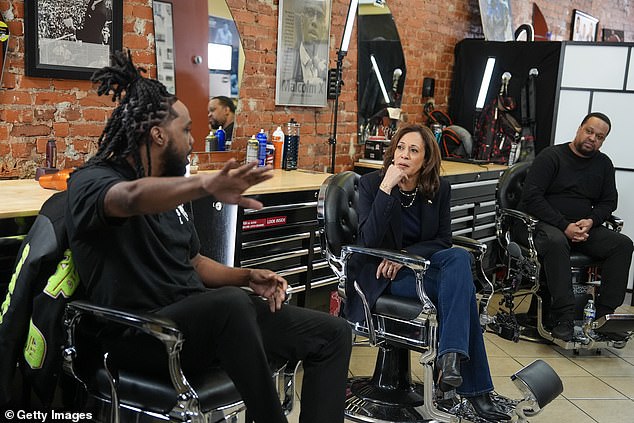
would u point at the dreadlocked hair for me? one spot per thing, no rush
(143, 104)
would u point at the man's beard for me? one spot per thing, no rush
(588, 153)
(173, 163)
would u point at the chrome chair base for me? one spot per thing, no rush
(366, 402)
(101, 409)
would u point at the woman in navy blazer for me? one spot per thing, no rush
(405, 206)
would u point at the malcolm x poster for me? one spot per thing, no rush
(302, 53)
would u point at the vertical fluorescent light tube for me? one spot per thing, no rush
(347, 33)
(386, 98)
(486, 80)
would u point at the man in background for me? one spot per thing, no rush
(221, 111)
(571, 189)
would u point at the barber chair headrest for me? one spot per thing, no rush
(511, 185)
(340, 210)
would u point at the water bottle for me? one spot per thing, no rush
(589, 313)
(221, 136)
(278, 142)
(261, 137)
(436, 128)
(252, 150)
(51, 154)
(515, 152)
(291, 146)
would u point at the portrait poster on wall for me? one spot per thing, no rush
(164, 40)
(497, 22)
(302, 53)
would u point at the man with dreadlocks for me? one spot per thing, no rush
(135, 247)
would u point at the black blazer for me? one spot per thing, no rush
(380, 226)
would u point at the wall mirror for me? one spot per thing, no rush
(199, 54)
(381, 70)
(225, 53)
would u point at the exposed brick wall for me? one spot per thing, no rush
(35, 109)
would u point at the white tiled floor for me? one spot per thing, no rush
(597, 388)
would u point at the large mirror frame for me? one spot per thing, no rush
(381, 71)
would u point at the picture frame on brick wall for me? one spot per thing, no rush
(303, 38)
(584, 26)
(71, 40)
(613, 35)
(164, 44)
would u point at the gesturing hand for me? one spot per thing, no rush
(229, 184)
(269, 285)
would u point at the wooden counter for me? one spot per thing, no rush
(447, 167)
(286, 181)
(24, 197)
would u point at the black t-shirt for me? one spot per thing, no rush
(140, 263)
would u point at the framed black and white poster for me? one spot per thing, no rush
(164, 44)
(302, 53)
(584, 26)
(71, 38)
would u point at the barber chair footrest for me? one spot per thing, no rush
(615, 323)
(368, 402)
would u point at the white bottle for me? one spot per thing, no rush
(252, 150)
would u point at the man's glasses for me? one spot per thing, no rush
(313, 14)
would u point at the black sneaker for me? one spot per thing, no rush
(563, 330)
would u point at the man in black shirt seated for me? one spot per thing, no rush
(571, 189)
(136, 248)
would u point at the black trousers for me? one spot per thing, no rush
(230, 327)
(613, 248)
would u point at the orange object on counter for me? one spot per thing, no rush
(56, 180)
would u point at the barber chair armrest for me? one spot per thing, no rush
(528, 220)
(159, 327)
(151, 324)
(504, 226)
(614, 223)
(477, 248)
(414, 262)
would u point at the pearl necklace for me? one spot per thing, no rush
(410, 195)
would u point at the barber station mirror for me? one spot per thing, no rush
(199, 55)
(381, 70)
(226, 56)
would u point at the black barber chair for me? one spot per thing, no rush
(121, 377)
(134, 379)
(399, 325)
(525, 280)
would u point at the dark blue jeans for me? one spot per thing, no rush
(449, 284)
